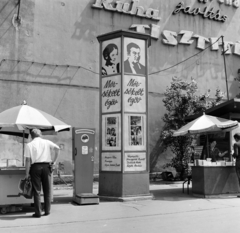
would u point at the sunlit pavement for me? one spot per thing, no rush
(170, 210)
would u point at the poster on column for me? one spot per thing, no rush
(111, 161)
(111, 56)
(134, 56)
(135, 162)
(111, 132)
(111, 94)
(134, 93)
(135, 132)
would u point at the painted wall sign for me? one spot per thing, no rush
(134, 93)
(111, 132)
(170, 38)
(135, 162)
(111, 94)
(111, 161)
(235, 3)
(207, 12)
(188, 37)
(132, 8)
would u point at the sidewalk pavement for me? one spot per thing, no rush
(169, 211)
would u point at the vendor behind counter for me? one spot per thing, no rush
(215, 153)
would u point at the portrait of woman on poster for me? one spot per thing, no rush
(111, 64)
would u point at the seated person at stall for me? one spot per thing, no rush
(214, 153)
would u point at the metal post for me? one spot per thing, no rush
(23, 147)
(225, 68)
(19, 4)
(207, 147)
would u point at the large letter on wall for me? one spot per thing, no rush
(170, 37)
(236, 3)
(214, 43)
(201, 41)
(236, 49)
(186, 38)
(104, 3)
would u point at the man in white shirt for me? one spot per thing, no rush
(39, 166)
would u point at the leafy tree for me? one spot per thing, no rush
(181, 100)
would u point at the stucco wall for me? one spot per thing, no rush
(52, 59)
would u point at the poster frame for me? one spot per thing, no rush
(117, 132)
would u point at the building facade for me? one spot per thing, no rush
(49, 56)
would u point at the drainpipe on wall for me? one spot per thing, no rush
(225, 69)
(16, 20)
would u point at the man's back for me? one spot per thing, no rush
(39, 150)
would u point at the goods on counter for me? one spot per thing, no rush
(200, 162)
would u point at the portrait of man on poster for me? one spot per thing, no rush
(132, 63)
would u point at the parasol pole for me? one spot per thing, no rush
(23, 148)
(207, 145)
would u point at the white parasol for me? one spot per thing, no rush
(19, 120)
(25, 117)
(206, 124)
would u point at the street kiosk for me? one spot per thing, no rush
(211, 179)
(18, 121)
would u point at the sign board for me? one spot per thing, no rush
(111, 94)
(135, 162)
(111, 161)
(134, 93)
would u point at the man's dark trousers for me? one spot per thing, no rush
(41, 176)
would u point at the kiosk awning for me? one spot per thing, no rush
(228, 110)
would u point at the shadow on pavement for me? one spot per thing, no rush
(170, 191)
(63, 200)
(172, 194)
(11, 217)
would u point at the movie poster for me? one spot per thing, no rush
(111, 134)
(135, 130)
(111, 57)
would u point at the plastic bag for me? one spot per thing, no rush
(25, 186)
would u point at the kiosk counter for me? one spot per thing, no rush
(10, 198)
(211, 179)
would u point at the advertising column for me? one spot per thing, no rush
(124, 163)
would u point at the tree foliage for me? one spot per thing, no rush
(181, 100)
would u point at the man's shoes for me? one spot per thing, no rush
(46, 214)
(36, 216)
(238, 196)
